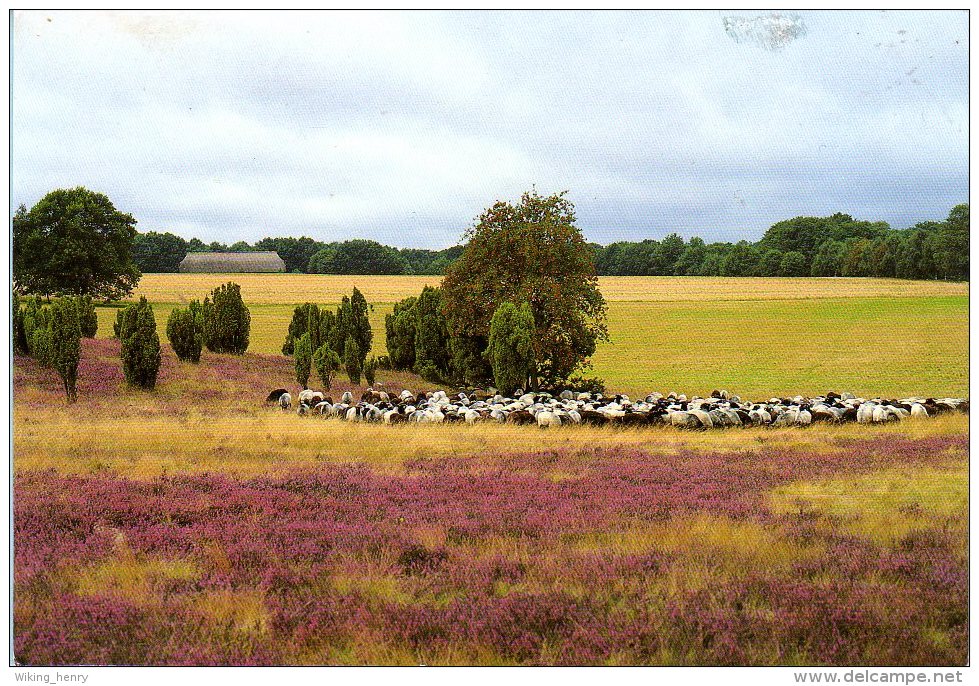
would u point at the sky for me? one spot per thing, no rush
(404, 127)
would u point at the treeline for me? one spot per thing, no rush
(837, 245)
(162, 252)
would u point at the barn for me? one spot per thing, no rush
(232, 262)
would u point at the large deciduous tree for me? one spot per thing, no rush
(74, 242)
(530, 252)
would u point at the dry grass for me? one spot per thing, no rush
(884, 506)
(259, 441)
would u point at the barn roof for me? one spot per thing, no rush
(225, 262)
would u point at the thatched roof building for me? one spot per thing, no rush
(227, 262)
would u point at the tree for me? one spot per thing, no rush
(793, 264)
(741, 260)
(361, 256)
(691, 258)
(827, 259)
(322, 261)
(530, 252)
(227, 321)
(670, 250)
(295, 252)
(87, 317)
(158, 252)
(327, 362)
(360, 324)
(140, 345)
(952, 245)
(185, 331)
(399, 329)
(74, 241)
(510, 351)
(351, 360)
(304, 360)
(66, 346)
(769, 264)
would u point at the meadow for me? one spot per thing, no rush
(196, 525)
(756, 337)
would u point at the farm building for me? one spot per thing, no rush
(226, 262)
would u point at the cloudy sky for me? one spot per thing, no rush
(403, 127)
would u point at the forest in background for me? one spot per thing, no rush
(837, 245)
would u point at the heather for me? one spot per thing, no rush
(564, 556)
(196, 525)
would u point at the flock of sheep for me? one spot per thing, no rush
(721, 409)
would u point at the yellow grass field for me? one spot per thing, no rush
(756, 337)
(279, 289)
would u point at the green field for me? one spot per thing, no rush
(755, 337)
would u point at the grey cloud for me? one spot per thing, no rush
(402, 127)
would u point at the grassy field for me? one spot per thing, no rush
(755, 337)
(195, 525)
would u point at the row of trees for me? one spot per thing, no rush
(836, 245)
(323, 339)
(162, 252)
(520, 307)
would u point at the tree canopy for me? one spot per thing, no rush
(74, 242)
(530, 252)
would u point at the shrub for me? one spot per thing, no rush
(140, 345)
(384, 362)
(88, 320)
(304, 360)
(19, 335)
(40, 345)
(431, 333)
(360, 325)
(370, 370)
(511, 346)
(305, 318)
(351, 360)
(428, 371)
(327, 362)
(340, 330)
(227, 321)
(185, 331)
(399, 329)
(66, 346)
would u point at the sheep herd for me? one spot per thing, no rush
(721, 409)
